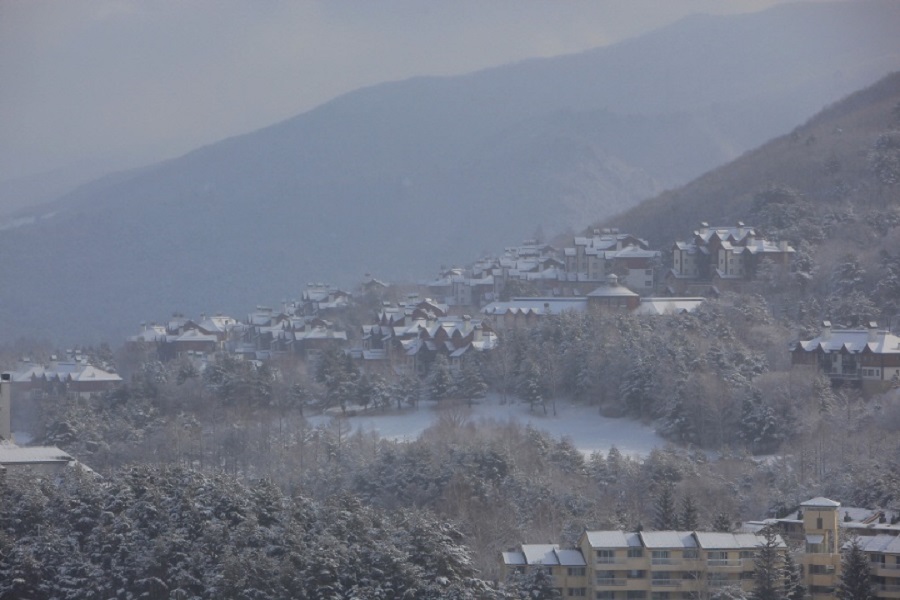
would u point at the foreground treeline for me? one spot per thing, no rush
(161, 533)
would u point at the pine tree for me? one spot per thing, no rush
(440, 381)
(768, 568)
(793, 581)
(856, 574)
(689, 519)
(665, 516)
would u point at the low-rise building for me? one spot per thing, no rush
(869, 358)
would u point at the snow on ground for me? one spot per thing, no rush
(588, 430)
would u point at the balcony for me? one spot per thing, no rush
(665, 561)
(609, 560)
(665, 583)
(610, 582)
(885, 570)
(724, 563)
(887, 591)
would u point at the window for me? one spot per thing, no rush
(635, 552)
(690, 553)
(717, 555)
(636, 574)
(575, 571)
(604, 595)
(659, 595)
(577, 592)
(660, 557)
(636, 595)
(606, 556)
(819, 523)
(746, 553)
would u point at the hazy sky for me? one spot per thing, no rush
(129, 82)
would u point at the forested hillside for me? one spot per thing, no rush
(831, 187)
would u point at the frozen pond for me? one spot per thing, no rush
(587, 429)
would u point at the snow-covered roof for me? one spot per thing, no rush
(612, 539)
(570, 557)
(881, 543)
(820, 502)
(194, 335)
(91, 373)
(539, 306)
(15, 455)
(668, 539)
(612, 291)
(513, 558)
(668, 306)
(722, 541)
(540, 554)
(853, 341)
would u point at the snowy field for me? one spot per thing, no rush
(588, 430)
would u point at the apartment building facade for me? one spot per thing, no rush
(676, 565)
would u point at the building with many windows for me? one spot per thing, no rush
(869, 358)
(676, 565)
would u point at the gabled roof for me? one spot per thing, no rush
(612, 539)
(820, 502)
(853, 341)
(668, 539)
(722, 541)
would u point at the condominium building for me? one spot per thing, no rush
(675, 565)
(653, 565)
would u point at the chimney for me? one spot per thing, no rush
(873, 331)
(612, 280)
(826, 330)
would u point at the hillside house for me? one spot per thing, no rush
(63, 377)
(612, 296)
(869, 358)
(406, 338)
(592, 259)
(725, 257)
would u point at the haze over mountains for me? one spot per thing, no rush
(399, 178)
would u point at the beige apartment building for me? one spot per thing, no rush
(676, 565)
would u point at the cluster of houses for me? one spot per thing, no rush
(715, 259)
(299, 328)
(407, 337)
(669, 565)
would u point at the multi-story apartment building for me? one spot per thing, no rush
(674, 565)
(593, 259)
(566, 567)
(722, 256)
(656, 565)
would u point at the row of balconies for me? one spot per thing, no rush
(693, 563)
(664, 584)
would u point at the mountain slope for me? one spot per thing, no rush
(831, 162)
(398, 178)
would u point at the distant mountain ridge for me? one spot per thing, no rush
(398, 178)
